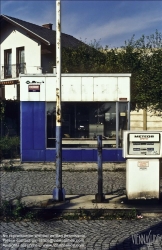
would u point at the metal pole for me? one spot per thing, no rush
(58, 192)
(117, 124)
(128, 117)
(99, 196)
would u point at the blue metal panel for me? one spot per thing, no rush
(50, 155)
(21, 130)
(109, 155)
(27, 125)
(72, 155)
(95, 155)
(120, 155)
(112, 155)
(87, 155)
(39, 125)
(33, 155)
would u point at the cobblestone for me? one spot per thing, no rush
(97, 234)
(105, 234)
(25, 183)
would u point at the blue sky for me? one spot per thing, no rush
(109, 22)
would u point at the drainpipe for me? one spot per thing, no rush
(58, 192)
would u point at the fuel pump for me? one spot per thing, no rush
(142, 150)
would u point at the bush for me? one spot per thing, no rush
(9, 147)
(16, 212)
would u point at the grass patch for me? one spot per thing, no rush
(16, 212)
(100, 214)
(19, 212)
(11, 168)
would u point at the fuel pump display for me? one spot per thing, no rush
(144, 144)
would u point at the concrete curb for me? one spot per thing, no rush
(66, 166)
(75, 203)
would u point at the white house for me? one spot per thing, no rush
(26, 48)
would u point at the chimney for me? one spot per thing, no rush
(47, 26)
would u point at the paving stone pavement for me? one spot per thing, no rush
(25, 183)
(106, 234)
(112, 234)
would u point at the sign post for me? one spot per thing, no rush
(99, 197)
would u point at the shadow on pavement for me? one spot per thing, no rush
(150, 238)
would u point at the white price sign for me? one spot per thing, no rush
(143, 165)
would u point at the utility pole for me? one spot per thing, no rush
(58, 192)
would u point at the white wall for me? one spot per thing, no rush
(136, 120)
(77, 87)
(12, 38)
(153, 122)
(11, 92)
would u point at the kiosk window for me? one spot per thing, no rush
(83, 121)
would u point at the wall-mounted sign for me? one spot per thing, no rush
(144, 137)
(122, 99)
(34, 88)
(123, 114)
(34, 82)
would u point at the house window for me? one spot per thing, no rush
(7, 63)
(20, 61)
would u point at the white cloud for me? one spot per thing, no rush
(37, 12)
(116, 27)
(5, 5)
(88, 23)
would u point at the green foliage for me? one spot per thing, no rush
(10, 211)
(9, 146)
(8, 108)
(147, 77)
(11, 168)
(142, 58)
(100, 214)
(84, 59)
(7, 143)
(18, 209)
(2, 109)
(6, 209)
(16, 212)
(9, 118)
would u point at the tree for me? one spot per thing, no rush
(84, 59)
(2, 112)
(142, 58)
(147, 77)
